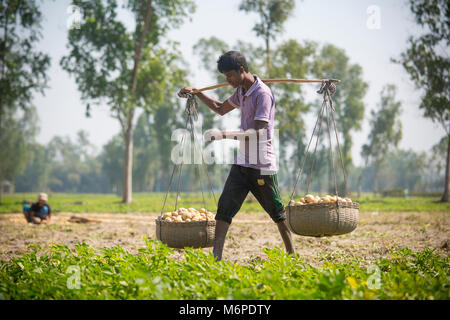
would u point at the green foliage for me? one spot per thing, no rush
(113, 273)
(292, 60)
(62, 165)
(427, 62)
(22, 73)
(17, 133)
(333, 63)
(272, 15)
(127, 69)
(438, 160)
(386, 130)
(22, 69)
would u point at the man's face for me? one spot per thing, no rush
(234, 77)
(41, 202)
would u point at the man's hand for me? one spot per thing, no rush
(182, 93)
(213, 134)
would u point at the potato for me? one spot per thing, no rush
(188, 215)
(342, 200)
(291, 203)
(309, 198)
(348, 200)
(298, 203)
(332, 198)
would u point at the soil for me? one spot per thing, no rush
(377, 234)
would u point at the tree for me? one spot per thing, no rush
(272, 15)
(22, 69)
(112, 162)
(437, 161)
(428, 64)
(22, 73)
(18, 134)
(127, 70)
(36, 174)
(386, 131)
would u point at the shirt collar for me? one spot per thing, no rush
(255, 85)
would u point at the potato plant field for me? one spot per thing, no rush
(94, 254)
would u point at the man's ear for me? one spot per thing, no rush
(241, 69)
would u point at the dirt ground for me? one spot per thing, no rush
(376, 234)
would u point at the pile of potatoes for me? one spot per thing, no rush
(188, 215)
(309, 198)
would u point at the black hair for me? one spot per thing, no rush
(231, 60)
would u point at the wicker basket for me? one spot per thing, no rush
(196, 234)
(323, 219)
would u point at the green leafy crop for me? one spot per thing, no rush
(114, 273)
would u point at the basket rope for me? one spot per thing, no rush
(191, 116)
(328, 89)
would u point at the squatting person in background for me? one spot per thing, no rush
(255, 167)
(39, 212)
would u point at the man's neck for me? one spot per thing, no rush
(248, 81)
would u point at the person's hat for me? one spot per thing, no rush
(42, 196)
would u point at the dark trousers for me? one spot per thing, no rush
(240, 181)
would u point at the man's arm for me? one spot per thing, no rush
(218, 107)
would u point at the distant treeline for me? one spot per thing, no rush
(64, 165)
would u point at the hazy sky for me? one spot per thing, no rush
(342, 23)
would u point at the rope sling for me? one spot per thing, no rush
(191, 112)
(328, 89)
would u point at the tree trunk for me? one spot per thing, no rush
(128, 131)
(128, 167)
(446, 196)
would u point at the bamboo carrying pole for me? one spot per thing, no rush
(269, 81)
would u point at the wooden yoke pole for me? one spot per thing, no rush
(269, 81)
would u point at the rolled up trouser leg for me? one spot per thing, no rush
(219, 240)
